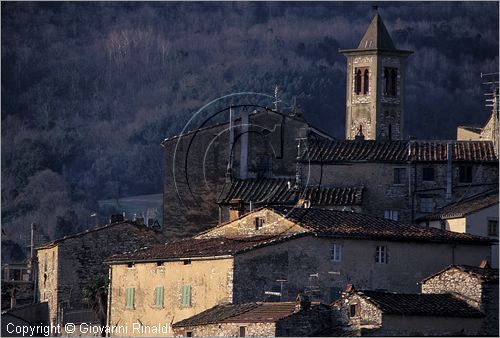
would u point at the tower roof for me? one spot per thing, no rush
(376, 37)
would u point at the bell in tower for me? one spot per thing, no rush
(375, 85)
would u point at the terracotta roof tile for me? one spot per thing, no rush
(326, 151)
(268, 191)
(319, 222)
(258, 312)
(362, 226)
(203, 247)
(442, 305)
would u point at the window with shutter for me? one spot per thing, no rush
(159, 296)
(186, 295)
(129, 298)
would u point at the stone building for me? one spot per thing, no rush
(375, 86)
(477, 215)
(253, 157)
(375, 313)
(258, 319)
(200, 163)
(314, 251)
(65, 266)
(478, 286)
(403, 180)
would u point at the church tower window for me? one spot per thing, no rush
(357, 82)
(391, 79)
(362, 81)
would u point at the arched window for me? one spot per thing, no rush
(357, 82)
(394, 78)
(366, 82)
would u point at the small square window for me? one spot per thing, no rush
(259, 223)
(399, 175)
(381, 254)
(428, 174)
(492, 227)
(187, 262)
(189, 333)
(465, 174)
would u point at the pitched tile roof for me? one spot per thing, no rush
(362, 226)
(257, 312)
(442, 305)
(203, 247)
(465, 207)
(255, 113)
(96, 229)
(275, 191)
(331, 151)
(487, 275)
(320, 222)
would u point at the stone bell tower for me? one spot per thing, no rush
(375, 86)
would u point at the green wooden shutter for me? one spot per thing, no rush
(159, 296)
(186, 295)
(129, 298)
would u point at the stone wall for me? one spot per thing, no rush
(464, 285)
(382, 194)
(471, 289)
(74, 262)
(273, 224)
(394, 325)
(228, 330)
(191, 208)
(316, 321)
(47, 279)
(256, 271)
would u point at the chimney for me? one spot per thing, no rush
(484, 264)
(236, 209)
(302, 303)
